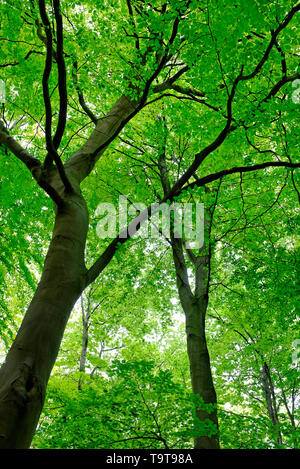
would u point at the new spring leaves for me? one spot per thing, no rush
(185, 221)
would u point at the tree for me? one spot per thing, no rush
(161, 57)
(253, 298)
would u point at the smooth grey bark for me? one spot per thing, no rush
(26, 370)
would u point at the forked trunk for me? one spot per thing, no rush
(25, 373)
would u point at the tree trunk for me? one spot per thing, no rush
(201, 377)
(271, 400)
(195, 306)
(26, 370)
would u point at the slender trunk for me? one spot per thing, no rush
(84, 347)
(26, 370)
(85, 340)
(201, 377)
(195, 306)
(82, 361)
(269, 393)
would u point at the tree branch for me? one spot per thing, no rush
(100, 264)
(52, 145)
(21, 153)
(81, 99)
(199, 157)
(131, 17)
(109, 127)
(32, 163)
(284, 80)
(272, 42)
(62, 83)
(46, 75)
(238, 169)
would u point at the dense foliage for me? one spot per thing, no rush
(122, 377)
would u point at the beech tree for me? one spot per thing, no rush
(85, 83)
